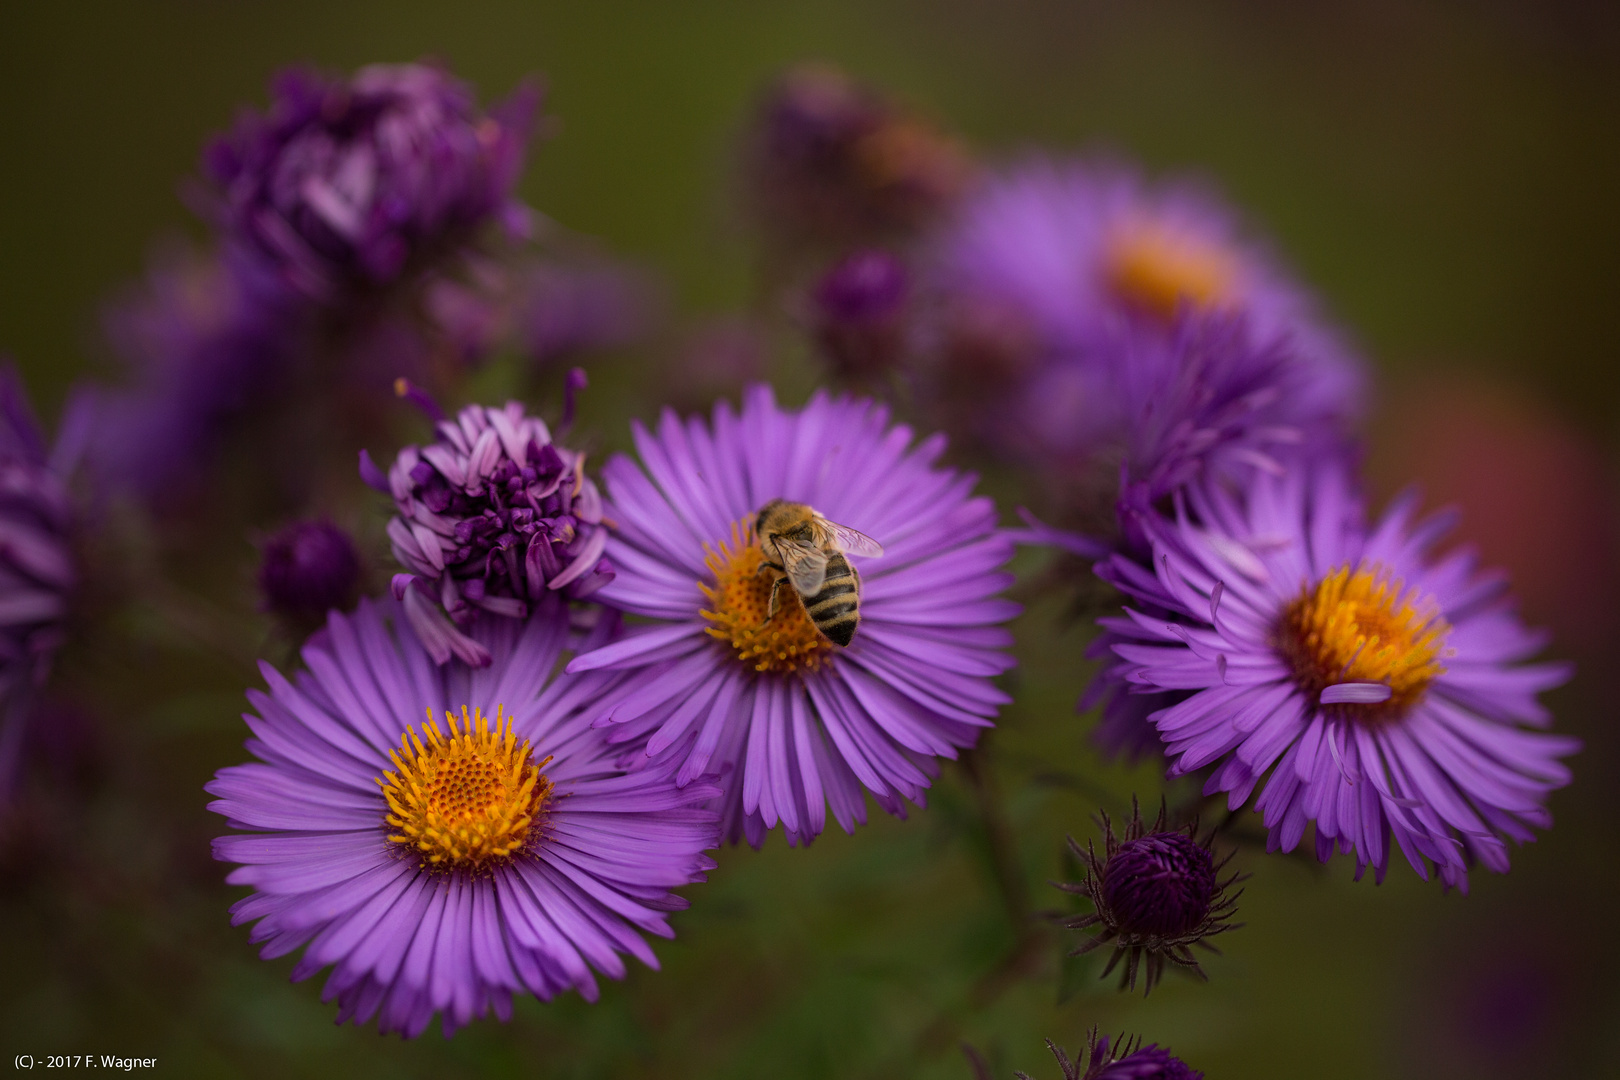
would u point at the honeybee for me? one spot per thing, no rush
(806, 551)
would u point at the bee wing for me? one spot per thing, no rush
(806, 566)
(851, 541)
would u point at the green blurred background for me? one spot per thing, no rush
(1447, 174)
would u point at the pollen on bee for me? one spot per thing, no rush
(739, 609)
(1362, 626)
(1157, 268)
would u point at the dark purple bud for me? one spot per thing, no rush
(308, 568)
(858, 313)
(1157, 892)
(1159, 885)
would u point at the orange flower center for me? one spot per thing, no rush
(1362, 627)
(1156, 268)
(469, 800)
(740, 603)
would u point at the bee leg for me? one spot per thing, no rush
(776, 600)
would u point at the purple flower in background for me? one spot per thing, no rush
(1085, 264)
(353, 180)
(493, 516)
(565, 310)
(832, 159)
(1157, 892)
(1125, 1059)
(201, 339)
(1382, 689)
(38, 570)
(857, 314)
(723, 684)
(307, 568)
(444, 867)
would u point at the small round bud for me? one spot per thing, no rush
(1157, 891)
(859, 313)
(308, 568)
(1160, 884)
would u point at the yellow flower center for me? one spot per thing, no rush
(469, 800)
(740, 599)
(1157, 267)
(1362, 627)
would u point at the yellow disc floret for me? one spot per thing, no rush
(468, 800)
(1363, 626)
(1156, 267)
(740, 601)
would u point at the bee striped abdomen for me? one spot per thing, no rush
(836, 608)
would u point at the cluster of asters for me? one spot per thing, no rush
(487, 779)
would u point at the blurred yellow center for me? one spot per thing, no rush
(1157, 267)
(1360, 627)
(740, 603)
(466, 800)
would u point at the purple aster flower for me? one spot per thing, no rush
(1083, 266)
(1126, 1059)
(1383, 689)
(308, 568)
(857, 314)
(830, 159)
(445, 866)
(38, 568)
(353, 180)
(725, 683)
(1157, 892)
(200, 339)
(493, 516)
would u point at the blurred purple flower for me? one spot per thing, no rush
(798, 722)
(832, 160)
(857, 314)
(493, 516)
(447, 870)
(1090, 268)
(569, 309)
(201, 339)
(38, 568)
(308, 568)
(1382, 690)
(345, 181)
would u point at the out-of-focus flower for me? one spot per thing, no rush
(858, 314)
(493, 516)
(830, 160)
(308, 568)
(38, 570)
(1053, 273)
(201, 339)
(1527, 480)
(1157, 893)
(549, 310)
(1125, 1059)
(718, 359)
(567, 309)
(721, 683)
(446, 868)
(1381, 688)
(344, 181)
